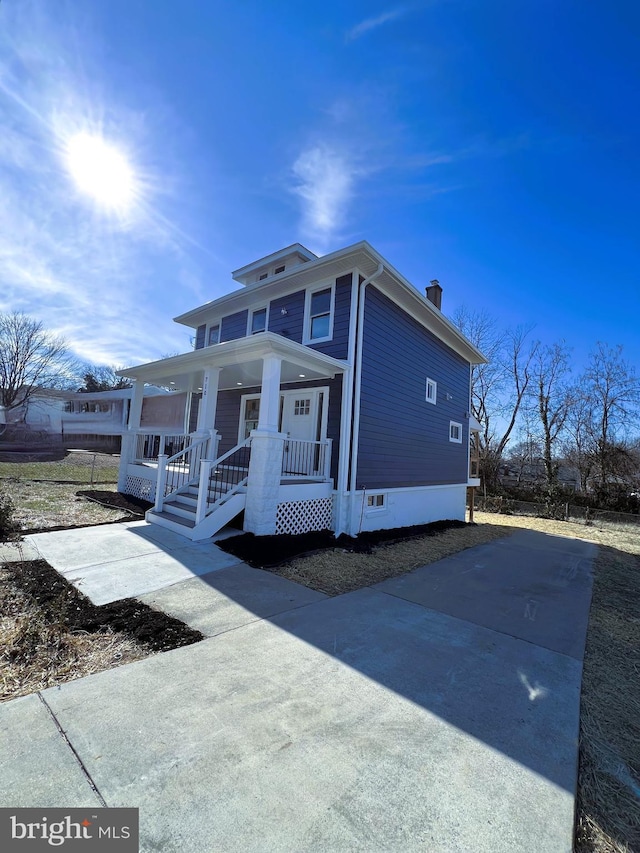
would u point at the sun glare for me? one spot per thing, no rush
(101, 171)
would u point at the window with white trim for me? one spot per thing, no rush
(432, 391)
(319, 315)
(455, 432)
(258, 321)
(278, 270)
(375, 501)
(214, 335)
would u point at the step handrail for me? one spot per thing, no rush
(177, 479)
(204, 508)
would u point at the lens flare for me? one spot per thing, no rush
(101, 171)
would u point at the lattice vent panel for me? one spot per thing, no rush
(303, 516)
(141, 488)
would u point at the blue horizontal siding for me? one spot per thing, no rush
(403, 439)
(200, 333)
(234, 326)
(289, 325)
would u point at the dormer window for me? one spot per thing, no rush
(262, 276)
(278, 270)
(258, 321)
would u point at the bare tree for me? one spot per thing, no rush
(498, 388)
(102, 378)
(579, 445)
(30, 358)
(554, 399)
(613, 393)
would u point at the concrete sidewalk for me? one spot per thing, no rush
(438, 711)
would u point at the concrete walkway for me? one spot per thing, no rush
(435, 712)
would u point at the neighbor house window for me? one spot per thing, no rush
(68, 407)
(455, 432)
(375, 501)
(432, 390)
(214, 335)
(319, 319)
(258, 321)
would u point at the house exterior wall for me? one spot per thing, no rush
(403, 439)
(228, 414)
(291, 324)
(234, 326)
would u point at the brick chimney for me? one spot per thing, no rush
(434, 293)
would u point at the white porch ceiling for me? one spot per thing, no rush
(240, 364)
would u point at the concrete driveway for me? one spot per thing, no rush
(435, 712)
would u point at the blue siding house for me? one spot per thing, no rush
(323, 393)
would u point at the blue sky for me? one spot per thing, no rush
(492, 145)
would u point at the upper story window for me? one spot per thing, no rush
(257, 321)
(262, 276)
(432, 391)
(214, 335)
(319, 315)
(455, 432)
(278, 270)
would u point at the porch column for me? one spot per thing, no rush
(265, 465)
(128, 441)
(208, 404)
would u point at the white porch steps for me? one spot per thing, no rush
(179, 513)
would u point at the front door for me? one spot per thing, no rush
(301, 420)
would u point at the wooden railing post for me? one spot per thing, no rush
(161, 482)
(327, 459)
(203, 489)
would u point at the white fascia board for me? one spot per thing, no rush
(270, 288)
(367, 260)
(294, 249)
(235, 352)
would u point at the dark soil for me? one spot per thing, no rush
(116, 500)
(61, 603)
(263, 552)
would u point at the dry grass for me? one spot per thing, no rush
(36, 653)
(337, 571)
(73, 467)
(41, 506)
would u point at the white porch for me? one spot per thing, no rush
(280, 477)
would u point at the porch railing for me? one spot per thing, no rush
(310, 460)
(180, 469)
(222, 478)
(150, 445)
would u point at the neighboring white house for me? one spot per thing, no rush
(77, 417)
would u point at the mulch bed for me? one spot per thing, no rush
(264, 552)
(116, 500)
(62, 603)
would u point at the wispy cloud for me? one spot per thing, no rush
(324, 180)
(374, 23)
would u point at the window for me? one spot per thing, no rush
(278, 270)
(68, 407)
(455, 432)
(319, 320)
(258, 321)
(251, 416)
(301, 407)
(375, 501)
(214, 335)
(432, 391)
(263, 276)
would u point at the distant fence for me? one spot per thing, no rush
(559, 510)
